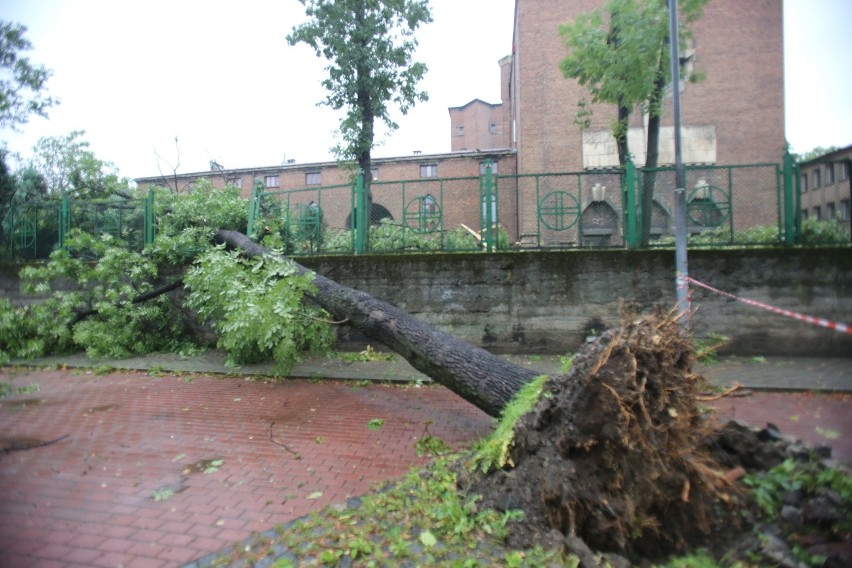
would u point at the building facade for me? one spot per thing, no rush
(734, 116)
(825, 187)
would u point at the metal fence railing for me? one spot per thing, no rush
(741, 205)
(725, 205)
(404, 216)
(32, 230)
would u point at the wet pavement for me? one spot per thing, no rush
(162, 468)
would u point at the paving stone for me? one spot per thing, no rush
(131, 434)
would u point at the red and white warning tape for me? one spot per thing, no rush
(841, 327)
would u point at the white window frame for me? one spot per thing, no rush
(429, 170)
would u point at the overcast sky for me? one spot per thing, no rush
(221, 77)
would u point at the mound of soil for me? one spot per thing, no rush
(619, 457)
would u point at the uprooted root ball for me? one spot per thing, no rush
(615, 451)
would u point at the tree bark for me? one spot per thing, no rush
(483, 379)
(652, 156)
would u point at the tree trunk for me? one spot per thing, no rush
(485, 380)
(652, 156)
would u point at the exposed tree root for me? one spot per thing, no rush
(615, 452)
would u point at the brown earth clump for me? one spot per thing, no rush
(615, 455)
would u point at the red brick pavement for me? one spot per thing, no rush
(818, 419)
(88, 500)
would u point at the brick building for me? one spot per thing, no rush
(826, 186)
(735, 116)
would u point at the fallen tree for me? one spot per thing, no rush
(615, 456)
(485, 380)
(616, 460)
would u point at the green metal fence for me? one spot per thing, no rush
(726, 205)
(421, 215)
(32, 230)
(742, 205)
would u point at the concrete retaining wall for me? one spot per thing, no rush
(549, 302)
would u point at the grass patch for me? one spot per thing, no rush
(419, 521)
(366, 356)
(493, 451)
(8, 389)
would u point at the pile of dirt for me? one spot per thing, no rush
(619, 457)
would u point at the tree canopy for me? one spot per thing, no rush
(22, 84)
(369, 46)
(70, 167)
(815, 153)
(620, 54)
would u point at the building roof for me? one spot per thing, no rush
(475, 101)
(333, 164)
(840, 153)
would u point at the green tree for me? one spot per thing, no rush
(31, 185)
(620, 53)
(817, 152)
(70, 167)
(8, 188)
(369, 46)
(22, 84)
(16, 188)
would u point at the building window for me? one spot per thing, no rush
(460, 130)
(428, 170)
(804, 182)
(313, 178)
(482, 168)
(829, 174)
(271, 181)
(492, 128)
(844, 171)
(831, 211)
(844, 209)
(818, 213)
(238, 182)
(375, 172)
(816, 175)
(804, 214)
(485, 209)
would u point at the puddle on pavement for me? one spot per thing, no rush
(101, 408)
(22, 403)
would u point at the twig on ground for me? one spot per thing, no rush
(722, 394)
(296, 455)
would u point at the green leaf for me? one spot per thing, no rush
(428, 539)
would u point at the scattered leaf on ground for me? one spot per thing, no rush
(826, 433)
(428, 539)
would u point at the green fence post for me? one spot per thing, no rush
(149, 217)
(489, 221)
(64, 220)
(362, 216)
(628, 201)
(790, 236)
(254, 208)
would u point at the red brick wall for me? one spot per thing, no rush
(739, 47)
(470, 127)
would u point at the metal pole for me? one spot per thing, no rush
(681, 266)
(489, 236)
